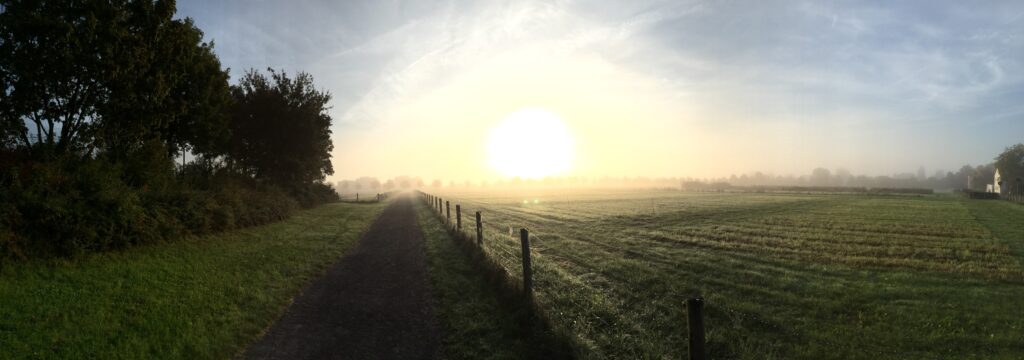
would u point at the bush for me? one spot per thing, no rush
(66, 207)
(314, 194)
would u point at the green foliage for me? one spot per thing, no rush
(280, 129)
(107, 75)
(71, 207)
(313, 194)
(97, 96)
(1011, 165)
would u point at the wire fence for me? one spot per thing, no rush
(1015, 197)
(364, 197)
(500, 246)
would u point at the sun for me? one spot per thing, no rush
(530, 143)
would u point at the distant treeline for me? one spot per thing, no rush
(723, 186)
(821, 177)
(841, 180)
(98, 101)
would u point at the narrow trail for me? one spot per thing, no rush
(375, 303)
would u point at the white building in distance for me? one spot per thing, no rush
(997, 183)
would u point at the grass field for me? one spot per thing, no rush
(784, 275)
(199, 298)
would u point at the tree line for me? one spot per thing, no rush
(1010, 163)
(98, 101)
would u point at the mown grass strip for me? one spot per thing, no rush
(1004, 219)
(196, 298)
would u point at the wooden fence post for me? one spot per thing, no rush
(448, 211)
(458, 217)
(479, 230)
(695, 322)
(357, 197)
(524, 237)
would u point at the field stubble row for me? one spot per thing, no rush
(785, 275)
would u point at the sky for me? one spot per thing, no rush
(646, 88)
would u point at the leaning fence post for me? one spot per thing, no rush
(448, 211)
(695, 323)
(479, 230)
(458, 217)
(524, 237)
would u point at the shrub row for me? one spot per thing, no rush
(70, 207)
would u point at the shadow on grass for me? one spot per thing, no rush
(543, 340)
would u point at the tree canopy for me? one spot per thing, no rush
(280, 128)
(78, 76)
(1011, 162)
(98, 96)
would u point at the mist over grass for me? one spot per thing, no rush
(784, 275)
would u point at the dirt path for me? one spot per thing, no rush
(375, 303)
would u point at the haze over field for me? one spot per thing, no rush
(673, 88)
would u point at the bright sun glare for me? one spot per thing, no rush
(530, 143)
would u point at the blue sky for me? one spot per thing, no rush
(774, 86)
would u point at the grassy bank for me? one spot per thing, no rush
(479, 321)
(197, 298)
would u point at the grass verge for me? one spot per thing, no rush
(197, 298)
(481, 315)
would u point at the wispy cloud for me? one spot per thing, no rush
(839, 63)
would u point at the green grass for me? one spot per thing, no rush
(785, 275)
(479, 321)
(1003, 219)
(197, 298)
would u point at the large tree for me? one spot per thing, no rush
(1010, 164)
(108, 75)
(280, 128)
